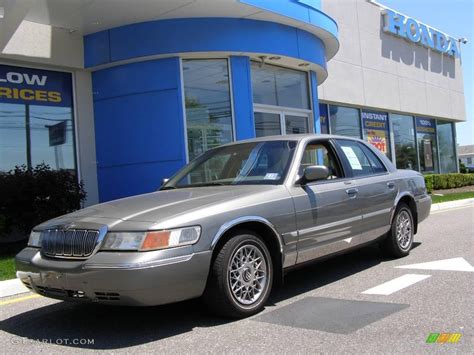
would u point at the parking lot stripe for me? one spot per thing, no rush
(395, 285)
(19, 299)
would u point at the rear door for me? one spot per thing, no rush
(376, 190)
(327, 211)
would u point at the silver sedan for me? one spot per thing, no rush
(228, 225)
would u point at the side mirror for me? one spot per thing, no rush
(315, 172)
(163, 182)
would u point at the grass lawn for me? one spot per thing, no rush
(452, 197)
(7, 267)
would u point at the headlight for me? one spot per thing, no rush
(35, 239)
(151, 240)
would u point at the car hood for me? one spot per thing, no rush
(159, 206)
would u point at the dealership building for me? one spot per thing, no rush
(124, 93)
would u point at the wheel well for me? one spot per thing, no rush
(408, 200)
(269, 238)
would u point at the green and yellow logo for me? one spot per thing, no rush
(442, 338)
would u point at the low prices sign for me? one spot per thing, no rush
(35, 87)
(376, 129)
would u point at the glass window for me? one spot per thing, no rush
(375, 125)
(296, 124)
(262, 163)
(208, 106)
(36, 119)
(319, 154)
(323, 118)
(356, 158)
(267, 124)
(447, 157)
(404, 137)
(277, 86)
(12, 136)
(469, 161)
(345, 121)
(375, 163)
(426, 137)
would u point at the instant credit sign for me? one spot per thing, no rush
(35, 87)
(376, 129)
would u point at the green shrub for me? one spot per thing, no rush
(448, 181)
(29, 197)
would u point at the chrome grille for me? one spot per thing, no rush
(77, 243)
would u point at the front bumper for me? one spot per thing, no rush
(119, 278)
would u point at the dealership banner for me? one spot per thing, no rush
(376, 129)
(425, 125)
(35, 87)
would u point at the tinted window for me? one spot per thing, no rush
(375, 163)
(447, 157)
(405, 146)
(361, 159)
(345, 121)
(207, 101)
(320, 154)
(277, 86)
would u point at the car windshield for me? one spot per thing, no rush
(264, 163)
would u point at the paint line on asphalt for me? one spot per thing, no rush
(395, 285)
(19, 299)
(454, 264)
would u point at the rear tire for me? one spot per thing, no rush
(399, 239)
(241, 277)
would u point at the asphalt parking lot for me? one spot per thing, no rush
(340, 305)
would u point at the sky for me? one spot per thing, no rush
(455, 18)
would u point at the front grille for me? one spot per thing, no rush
(79, 243)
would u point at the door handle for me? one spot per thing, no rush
(352, 192)
(390, 185)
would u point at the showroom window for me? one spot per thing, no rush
(447, 156)
(36, 119)
(208, 104)
(376, 132)
(344, 121)
(404, 137)
(324, 118)
(281, 100)
(427, 150)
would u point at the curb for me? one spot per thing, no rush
(12, 287)
(452, 204)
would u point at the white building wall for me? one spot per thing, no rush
(379, 70)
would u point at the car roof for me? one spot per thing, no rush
(293, 137)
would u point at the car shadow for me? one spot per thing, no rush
(120, 327)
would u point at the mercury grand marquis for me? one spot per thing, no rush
(229, 225)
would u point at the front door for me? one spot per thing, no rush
(328, 213)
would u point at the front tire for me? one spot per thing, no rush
(399, 239)
(241, 277)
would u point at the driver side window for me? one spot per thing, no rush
(320, 154)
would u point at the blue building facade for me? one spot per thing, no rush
(167, 90)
